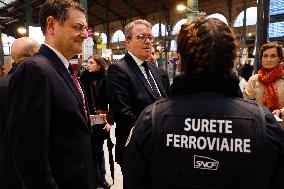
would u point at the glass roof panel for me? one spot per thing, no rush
(4, 3)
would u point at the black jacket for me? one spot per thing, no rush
(8, 174)
(50, 134)
(205, 140)
(94, 84)
(246, 71)
(129, 93)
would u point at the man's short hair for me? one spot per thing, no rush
(129, 27)
(58, 9)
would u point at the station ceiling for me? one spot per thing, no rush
(13, 15)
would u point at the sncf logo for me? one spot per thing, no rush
(202, 162)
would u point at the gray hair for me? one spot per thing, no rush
(129, 27)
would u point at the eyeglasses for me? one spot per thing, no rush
(143, 38)
(79, 28)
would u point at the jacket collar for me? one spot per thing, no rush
(57, 63)
(134, 67)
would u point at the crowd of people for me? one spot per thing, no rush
(201, 131)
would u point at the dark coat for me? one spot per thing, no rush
(165, 80)
(129, 93)
(97, 98)
(246, 71)
(178, 143)
(8, 176)
(50, 135)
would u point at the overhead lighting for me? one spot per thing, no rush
(181, 7)
(188, 10)
(22, 30)
(5, 18)
(4, 3)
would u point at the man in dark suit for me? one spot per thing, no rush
(21, 48)
(51, 144)
(133, 83)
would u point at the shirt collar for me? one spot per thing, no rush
(62, 58)
(137, 60)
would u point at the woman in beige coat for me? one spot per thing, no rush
(267, 87)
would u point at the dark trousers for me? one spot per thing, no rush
(119, 150)
(101, 159)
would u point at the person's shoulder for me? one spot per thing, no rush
(158, 107)
(274, 133)
(37, 58)
(118, 65)
(144, 124)
(247, 105)
(253, 78)
(37, 63)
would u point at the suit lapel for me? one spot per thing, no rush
(61, 69)
(134, 67)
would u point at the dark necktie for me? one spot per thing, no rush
(151, 80)
(76, 82)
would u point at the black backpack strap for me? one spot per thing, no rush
(261, 175)
(153, 117)
(153, 114)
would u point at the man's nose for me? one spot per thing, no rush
(147, 40)
(84, 34)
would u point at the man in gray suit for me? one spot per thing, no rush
(51, 145)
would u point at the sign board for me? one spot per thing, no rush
(88, 48)
(101, 46)
(170, 28)
(167, 45)
(106, 53)
(276, 7)
(276, 25)
(276, 29)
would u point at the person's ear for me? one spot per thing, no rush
(50, 24)
(127, 42)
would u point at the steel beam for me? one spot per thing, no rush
(109, 9)
(261, 29)
(229, 5)
(28, 10)
(1, 52)
(130, 3)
